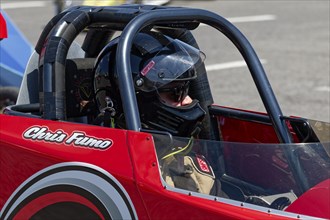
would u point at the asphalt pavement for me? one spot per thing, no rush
(290, 37)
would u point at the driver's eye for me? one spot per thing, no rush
(176, 93)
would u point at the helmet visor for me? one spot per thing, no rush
(177, 61)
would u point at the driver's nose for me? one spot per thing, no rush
(186, 101)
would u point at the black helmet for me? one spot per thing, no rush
(159, 65)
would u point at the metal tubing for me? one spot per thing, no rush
(52, 63)
(238, 39)
(216, 21)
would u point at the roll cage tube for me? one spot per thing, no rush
(133, 19)
(52, 63)
(54, 43)
(53, 46)
(198, 15)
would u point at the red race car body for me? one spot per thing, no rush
(56, 164)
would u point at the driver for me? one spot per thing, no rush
(163, 69)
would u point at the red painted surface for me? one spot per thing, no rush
(131, 159)
(315, 202)
(236, 130)
(3, 28)
(249, 132)
(20, 158)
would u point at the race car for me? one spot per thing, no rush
(63, 157)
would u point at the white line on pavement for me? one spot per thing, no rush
(228, 65)
(23, 4)
(238, 64)
(323, 89)
(31, 4)
(255, 18)
(252, 18)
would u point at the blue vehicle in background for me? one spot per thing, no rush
(15, 51)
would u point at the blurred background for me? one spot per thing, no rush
(290, 37)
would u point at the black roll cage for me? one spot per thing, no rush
(60, 32)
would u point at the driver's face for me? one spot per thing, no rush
(175, 94)
(167, 98)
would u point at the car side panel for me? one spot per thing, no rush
(27, 146)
